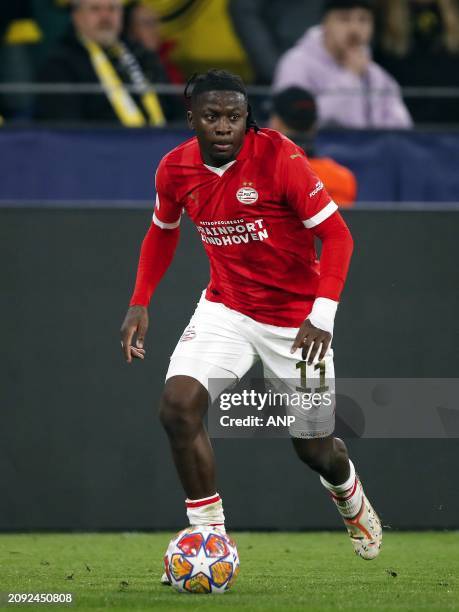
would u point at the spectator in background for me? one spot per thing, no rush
(334, 57)
(417, 41)
(267, 28)
(294, 113)
(19, 35)
(53, 17)
(141, 31)
(92, 52)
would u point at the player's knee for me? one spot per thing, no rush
(179, 412)
(176, 413)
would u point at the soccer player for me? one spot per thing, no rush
(257, 207)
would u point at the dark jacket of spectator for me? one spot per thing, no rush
(71, 63)
(267, 28)
(418, 43)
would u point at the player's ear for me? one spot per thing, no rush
(189, 118)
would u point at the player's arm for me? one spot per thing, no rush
(306, 194)
(156, 254)
(316, 332)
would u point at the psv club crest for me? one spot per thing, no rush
(247, 194)
(188, 334)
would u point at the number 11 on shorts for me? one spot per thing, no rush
(302, 365)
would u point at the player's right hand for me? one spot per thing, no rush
(135, 322)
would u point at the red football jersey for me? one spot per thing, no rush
(254, 216)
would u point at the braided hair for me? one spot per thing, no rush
(218, 80)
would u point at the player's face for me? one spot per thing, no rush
(348, 28)
(99, 20)
(219, 120)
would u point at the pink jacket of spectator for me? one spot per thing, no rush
(377, 103)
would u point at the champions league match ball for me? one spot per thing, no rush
(201, 560)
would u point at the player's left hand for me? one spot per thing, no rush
(310, 339)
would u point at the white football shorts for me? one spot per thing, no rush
(220, 345)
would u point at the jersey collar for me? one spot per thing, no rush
(221, 169)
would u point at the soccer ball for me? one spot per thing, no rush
(201, 560)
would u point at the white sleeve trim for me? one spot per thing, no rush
(323, 314)
(323, 214)
(163, 225)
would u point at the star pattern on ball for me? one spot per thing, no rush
(200, 563)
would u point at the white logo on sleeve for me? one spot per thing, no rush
(319, 186)
(247, 195)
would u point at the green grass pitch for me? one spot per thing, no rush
(279, 571)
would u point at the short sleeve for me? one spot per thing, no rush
(167, 211)
(303, 191)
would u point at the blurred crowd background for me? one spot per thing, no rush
(312, 67)
(380, 64)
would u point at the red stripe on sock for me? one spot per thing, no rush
(202, 502)
(349, 495)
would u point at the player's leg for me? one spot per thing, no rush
(210, 356)
(312, 434)
(183, 404)
(182, 408)
(328, 457)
